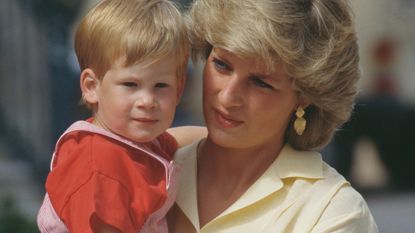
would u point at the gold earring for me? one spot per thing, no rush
(300, 123)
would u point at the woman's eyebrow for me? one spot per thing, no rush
(274, 78)
(259, 75)
(222, 57)
(265, 76)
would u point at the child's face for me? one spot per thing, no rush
(138, 102)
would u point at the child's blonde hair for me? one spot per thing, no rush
(135, 30)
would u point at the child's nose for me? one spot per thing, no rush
(146, 100)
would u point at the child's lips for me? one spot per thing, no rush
(145, 120)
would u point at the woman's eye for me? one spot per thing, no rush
(129, 84)
(260, 83)
(220, 65)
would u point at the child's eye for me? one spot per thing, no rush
(162, 85)
(129, 84)
(220, 65)
(261, 83)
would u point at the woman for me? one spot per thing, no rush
(280, 77)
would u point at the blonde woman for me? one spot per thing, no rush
(279, 79)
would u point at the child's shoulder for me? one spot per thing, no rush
(167, 143)
(89, 140)
(92, 150)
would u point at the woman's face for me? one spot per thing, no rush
(245, 106)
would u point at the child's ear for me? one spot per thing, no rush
(89, 86)
(180, 88)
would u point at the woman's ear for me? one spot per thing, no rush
(303, 101)
(89, 86)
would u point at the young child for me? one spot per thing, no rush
(114, 172)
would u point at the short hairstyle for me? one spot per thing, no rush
(315, 40)
(137, 30)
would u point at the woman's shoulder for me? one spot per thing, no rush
(342, 203)
(331, 190)
(334, 185)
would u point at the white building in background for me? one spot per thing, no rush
(394, 19)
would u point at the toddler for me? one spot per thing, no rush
(114, 172)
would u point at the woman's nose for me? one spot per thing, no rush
(231, 93)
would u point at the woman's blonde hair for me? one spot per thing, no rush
(315, 40)
(137, 30)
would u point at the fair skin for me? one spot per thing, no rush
(186, 135)
(247, 109)
(137, 102)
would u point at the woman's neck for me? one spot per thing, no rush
(234, 167)
(224, 174)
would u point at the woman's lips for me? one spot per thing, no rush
(226, 120)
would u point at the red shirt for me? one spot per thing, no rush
(95, 174)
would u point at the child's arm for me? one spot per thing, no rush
(187, 134)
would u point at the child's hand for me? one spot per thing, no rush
(187, 134)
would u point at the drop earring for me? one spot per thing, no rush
(300, 123)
